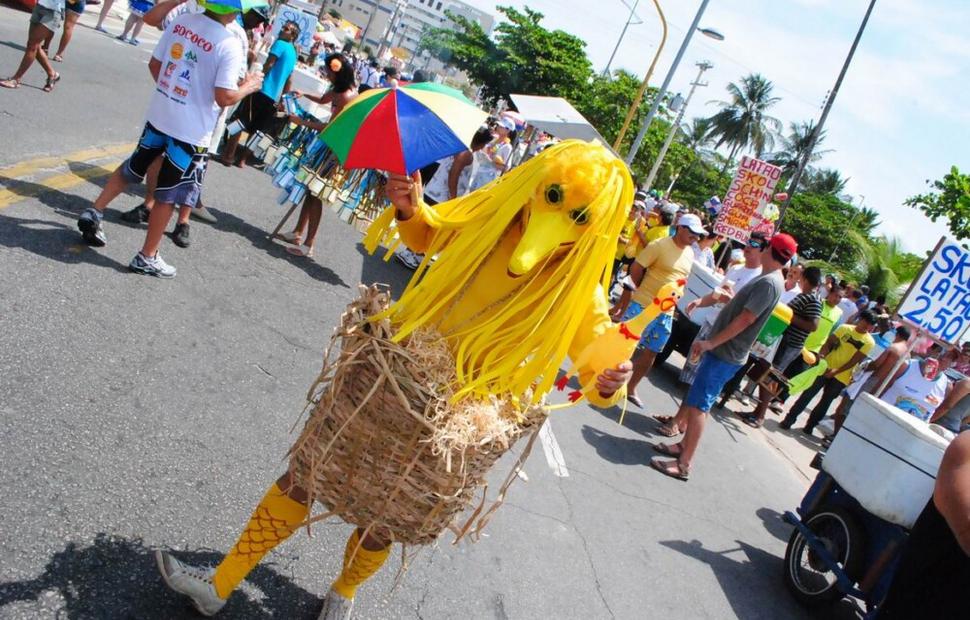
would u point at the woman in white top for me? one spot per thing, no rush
(496, 155)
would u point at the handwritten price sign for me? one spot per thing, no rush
(306, 21)
(744, 203)
(938, 301)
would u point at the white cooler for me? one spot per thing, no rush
(700, 282)
(886, 459)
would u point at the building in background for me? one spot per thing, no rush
(374, 18)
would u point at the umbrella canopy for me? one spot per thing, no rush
(232, 6)
(403, 129)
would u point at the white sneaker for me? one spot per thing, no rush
(151, 266)
(409, 259)
(193, 581)
(336, 607)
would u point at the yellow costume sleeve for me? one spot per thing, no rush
(594, 323)
(418, 231)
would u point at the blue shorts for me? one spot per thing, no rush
(657, 333)
(77, 7)
(712, 374)
(183, 167)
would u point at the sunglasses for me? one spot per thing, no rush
(755, 243)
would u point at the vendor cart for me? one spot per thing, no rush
(855, 518)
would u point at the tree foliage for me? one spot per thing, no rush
(949, 198)
(743, 121)
(523, 58)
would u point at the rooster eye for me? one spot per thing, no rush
(554, 194)
(580, 216)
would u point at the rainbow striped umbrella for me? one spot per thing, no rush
(403, 129)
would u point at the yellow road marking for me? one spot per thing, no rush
(33, 165)
(23, 190)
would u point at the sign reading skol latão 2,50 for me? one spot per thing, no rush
(939, 300)
(745, 201)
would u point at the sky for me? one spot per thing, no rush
(898, 119)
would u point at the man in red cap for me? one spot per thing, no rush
(726, 350)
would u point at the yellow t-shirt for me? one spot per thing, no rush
(636, 244)
(627, 235)
(657, 232)
(664, 262)
(850, 341)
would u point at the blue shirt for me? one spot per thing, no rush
(275, 80)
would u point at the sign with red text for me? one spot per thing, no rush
(744, 204)
(938, 301)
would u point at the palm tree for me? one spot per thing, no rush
(823, 181)
(867, 220)
(795, 145)
(743, 121)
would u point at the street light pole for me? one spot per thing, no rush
(629, 20)
(851, 222)
(797, 177)
(631, 112)
(703, 66)
(663, 88)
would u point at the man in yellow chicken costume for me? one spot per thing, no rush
(519, 284)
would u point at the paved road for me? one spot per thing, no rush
(137, 414)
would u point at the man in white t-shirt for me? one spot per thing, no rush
(196, 67)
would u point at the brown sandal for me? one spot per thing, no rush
(668, 431)
(663, 419)
(49, 86)
(10, 83)
(673, 469)
(667, 449)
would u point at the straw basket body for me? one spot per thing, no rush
(369, 452)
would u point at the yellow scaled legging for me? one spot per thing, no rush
(273, 521)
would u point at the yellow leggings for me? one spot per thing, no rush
(273, 521)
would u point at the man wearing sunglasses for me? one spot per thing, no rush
(662, 261)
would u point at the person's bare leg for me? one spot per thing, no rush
(104, 13)
(157, 223)
(35, 40)
(129, 24)
(115, 185)
(642, 364)
(70, 20)
(229, 149)
(692, 437)
(762, 407)
(151, 182)
(139, 22)
(184, 213)
(314, 212)
(243, 157)
(303, 220)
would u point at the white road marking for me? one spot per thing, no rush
(551, 449)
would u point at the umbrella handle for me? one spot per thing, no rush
(415, 197)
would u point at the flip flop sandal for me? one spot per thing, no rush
(668, 431)
(290, 237)
(10, 83)
(663, 419)
(750, 420)
(301, 250)
(673, 469)
(49, 86)
(667, 449)
(633, 398)
(58, 58)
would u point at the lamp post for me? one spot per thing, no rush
(629, 20)
(851, 222)
(797, 177)
(702, 67)
(631, 112)
(709, 32)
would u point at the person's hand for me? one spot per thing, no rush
(399, 190)
(252, 82)
(701, 347)
(296, 93)
(828, 374)
(616, 312)
(692, 306)
(613, 379)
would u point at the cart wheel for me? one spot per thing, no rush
(806, 575)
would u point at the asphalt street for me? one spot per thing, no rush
(138, 414)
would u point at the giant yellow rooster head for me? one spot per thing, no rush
(566, 206)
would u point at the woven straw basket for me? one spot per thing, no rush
(373, 451)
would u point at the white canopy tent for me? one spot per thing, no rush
(556, 117)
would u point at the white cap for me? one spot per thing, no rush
(506, 122)
(693, 223)
(669, 208)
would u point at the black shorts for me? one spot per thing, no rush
(256, 113)
(183, 167)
